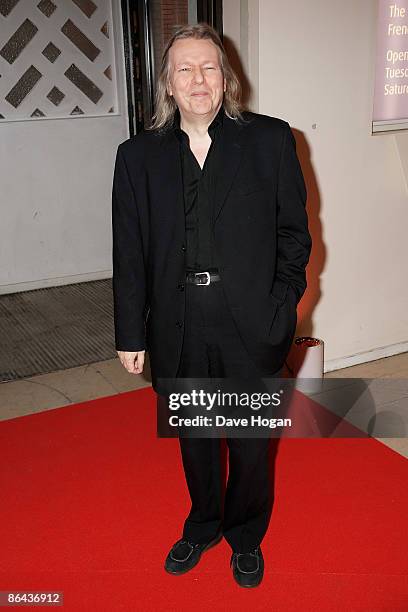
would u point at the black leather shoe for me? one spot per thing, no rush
(248, 568)
(185, 555)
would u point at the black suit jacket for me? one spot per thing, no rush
(261, 239)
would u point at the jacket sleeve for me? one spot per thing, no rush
(294, 241)
(129, 274)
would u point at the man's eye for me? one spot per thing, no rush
(210, 68)
(183, 69)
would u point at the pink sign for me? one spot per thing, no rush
(391, 74)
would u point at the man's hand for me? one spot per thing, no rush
(132, 361)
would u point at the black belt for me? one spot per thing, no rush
(202, 278)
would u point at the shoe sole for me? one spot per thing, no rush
(184, 571)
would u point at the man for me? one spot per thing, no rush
(210, 245)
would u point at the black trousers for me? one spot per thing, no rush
(213, 348)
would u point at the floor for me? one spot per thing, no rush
(104, 378)
(55, 328)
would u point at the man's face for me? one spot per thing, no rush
(196, 80)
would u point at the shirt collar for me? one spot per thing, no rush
(215, 124)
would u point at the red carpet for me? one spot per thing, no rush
(87, 491)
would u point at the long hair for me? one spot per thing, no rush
(165, 105)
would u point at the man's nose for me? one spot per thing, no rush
(198, 75)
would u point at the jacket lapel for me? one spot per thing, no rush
(229, 155)
(166, 173)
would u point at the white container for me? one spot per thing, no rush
(307, 359)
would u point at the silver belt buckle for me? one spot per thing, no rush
(207, 276)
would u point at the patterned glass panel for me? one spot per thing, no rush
(56, 59)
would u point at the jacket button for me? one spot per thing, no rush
(179, 324)
(181, 287)
(183, 248)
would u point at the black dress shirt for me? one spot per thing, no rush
(199, 191)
